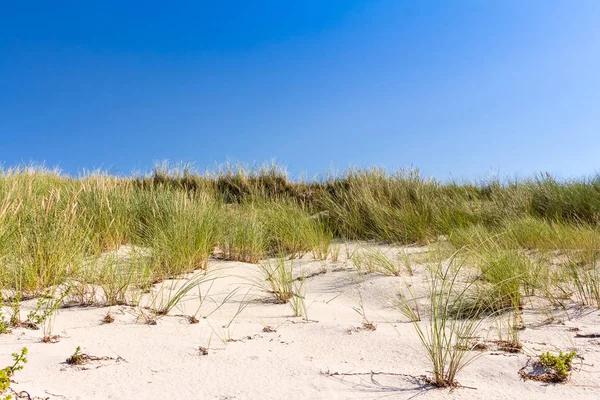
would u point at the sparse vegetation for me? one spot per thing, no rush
(559, 365)
(19, 361)
(169, 295)
(298, 301)
(279, 278)
(106, 240)
(555, 368)
(46, 308)
(445, 339)
(375, 260)
(76, 358)
(360, 310)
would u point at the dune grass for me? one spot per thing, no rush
(375, 260)
(55, 228)
(447, 340)
(494, 246)
(278, 277)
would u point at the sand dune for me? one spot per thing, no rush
(267, 353)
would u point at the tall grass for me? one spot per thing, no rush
(45, 239)
(447, 340)
(243, 236)
(52, 226)
(181, 233)
(374, 205)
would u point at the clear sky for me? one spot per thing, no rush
(462, 89)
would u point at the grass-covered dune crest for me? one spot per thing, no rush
(52, 225)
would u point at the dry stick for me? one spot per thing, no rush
(302, 278)
(372, 373)
(20, 395)
(588, 335)
(55, 395)
(328, 373)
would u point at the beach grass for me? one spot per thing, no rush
(54, 227)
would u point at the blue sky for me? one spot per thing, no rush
(462, 89)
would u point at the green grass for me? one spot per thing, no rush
(243, 237)
(278, 277)
(445, 339)
(375, 260)
(53, 227)
(181, 234)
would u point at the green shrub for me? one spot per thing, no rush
(559, 365)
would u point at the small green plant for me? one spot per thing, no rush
(559, 366)
(46, 306)
(148, 318)
(171, 294)
(223, 333)
(76, 358)
(508, 327)
(349, 251)
(44, 312)
(79, 358)
(38, 315)
(19, 360)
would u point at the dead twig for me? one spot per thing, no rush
(421, 378)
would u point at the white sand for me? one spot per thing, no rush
(163, 361)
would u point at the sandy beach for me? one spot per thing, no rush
(354, 344)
